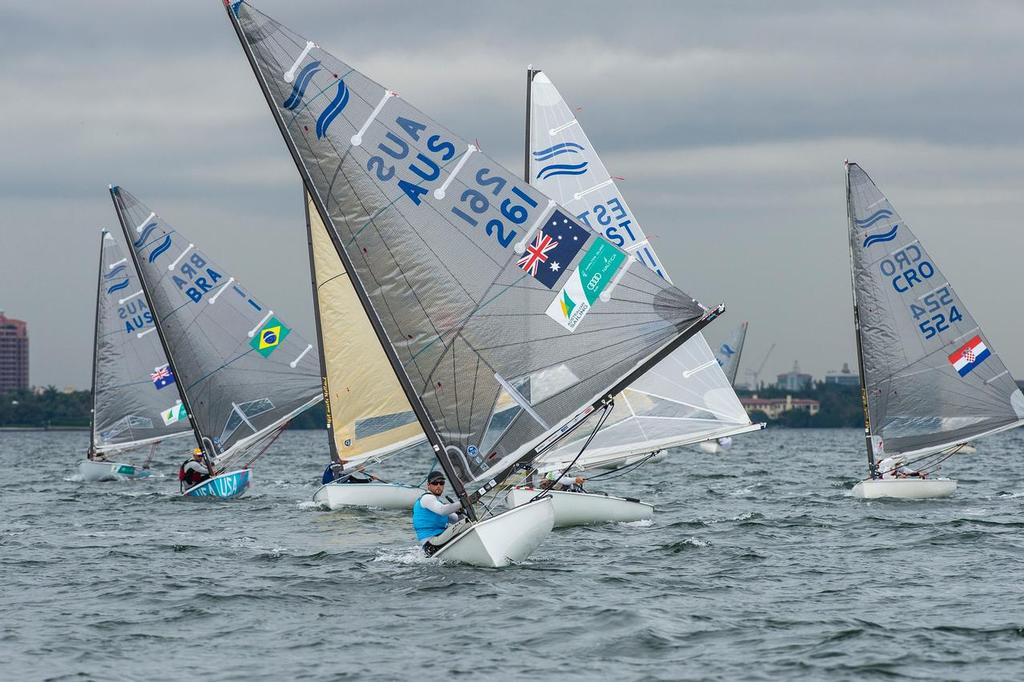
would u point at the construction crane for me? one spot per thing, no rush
(755, 374)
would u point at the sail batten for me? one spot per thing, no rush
(930, 376)
(242, 372)
(450, 299)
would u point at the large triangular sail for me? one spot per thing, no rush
(368, 414)
(684, 399)
(931, 376)
(130, 407)
(444, 247)
(243, 372)
(730, 352)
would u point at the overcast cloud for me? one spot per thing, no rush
(729, 122)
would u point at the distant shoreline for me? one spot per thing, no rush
(16, 429)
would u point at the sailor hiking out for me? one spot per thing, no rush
(435, 522)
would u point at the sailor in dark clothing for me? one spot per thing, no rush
(193, 471)
(335, 472)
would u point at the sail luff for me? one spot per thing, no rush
(530, 73)
(414, 399)
(319, 332)
(851, 235)
(96, 345)
(115, 196)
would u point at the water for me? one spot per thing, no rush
(758, 565)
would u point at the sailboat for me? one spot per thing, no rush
(368, 416)
(930, 377)
(425, 225)
(241, 371)
(685, 399)
(728, 357)
(131, 411)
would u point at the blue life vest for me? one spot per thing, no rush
(328, 475)
(426, 523)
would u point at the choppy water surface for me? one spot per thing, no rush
(757, 565)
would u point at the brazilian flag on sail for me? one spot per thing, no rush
(271, 335)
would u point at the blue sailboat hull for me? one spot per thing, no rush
(226, 486)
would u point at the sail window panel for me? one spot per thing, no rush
(249, 410)
(126, 425)
(372, 426)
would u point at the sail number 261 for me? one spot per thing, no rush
(936, 312)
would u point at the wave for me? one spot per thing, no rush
(874, 218)
(299, 88)
(116, 271)
(336, 106)
(160, 249)
(144, 236)
(562, 169)
(117, 287)
(883, 237)
(557, 149)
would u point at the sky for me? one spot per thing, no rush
(728, 122)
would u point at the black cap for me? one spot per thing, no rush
(435, 477)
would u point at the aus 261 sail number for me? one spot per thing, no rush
(472, 204)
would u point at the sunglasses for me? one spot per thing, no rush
(436, 483)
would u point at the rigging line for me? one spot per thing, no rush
(605, 411)
(623, 470)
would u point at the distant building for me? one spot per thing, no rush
(773, 407)
(843, 377)
(794, 380)
(13, 354)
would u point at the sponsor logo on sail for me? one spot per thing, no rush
(578, 295)
(144, 236)
(160, 249)
(969, 356)
(174, 414)
(117, 287)
(336, 106)
(299, 87)
(880, 214)
(271, 335)
(553, 169)
(552, 249)
(882, 237)
(162, 377)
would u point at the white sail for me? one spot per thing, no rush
(684, 399)
(368, 414)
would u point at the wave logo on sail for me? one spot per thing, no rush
(880, 214)
(117, 287)
(883, 237)
(144, 236)
(336, 106)
(554, 169)
(160, 249)
(119, 271)
(299, 88)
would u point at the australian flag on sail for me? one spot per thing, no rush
(162, 377)
(552, 249)
(969, 356)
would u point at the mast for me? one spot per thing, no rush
(335, 457)
(856, 329)
(530, 73)
(115, 196)
(95, 349)
(414, 399)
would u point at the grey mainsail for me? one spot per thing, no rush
(729, 353)
(427, 227)
(930, 375)
(242, 371)
(130, 407)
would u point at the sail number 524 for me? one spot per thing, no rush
(936, 313)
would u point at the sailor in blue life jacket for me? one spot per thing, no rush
(193, 471)
(336, 472)
(435, 522)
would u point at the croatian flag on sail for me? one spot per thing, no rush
(969, 356)
(552, 249)
(162, 377)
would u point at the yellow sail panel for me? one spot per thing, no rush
(367, 412)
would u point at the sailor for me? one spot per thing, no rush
(888, 467)
(435, 522)
(336, 472)
(564, 483)
(193, 471)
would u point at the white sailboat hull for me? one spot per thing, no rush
(584, 509)
(905, 488)
(95, 470)
(504, 539)
(380, 495)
